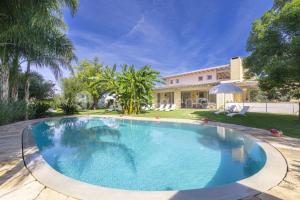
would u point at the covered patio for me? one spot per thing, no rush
(197, 96)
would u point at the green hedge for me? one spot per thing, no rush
(12, 111)
(15, 111)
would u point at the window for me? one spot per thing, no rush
(209, 77)
(171, 81)
(177, 80)
(200, 78)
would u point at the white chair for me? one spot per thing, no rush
(147, 108)
(166, 107)
(152, 107)
(119, 108)
(242, 112)
(230, 109)
(160, 107)
(172, 107)
(144, 108)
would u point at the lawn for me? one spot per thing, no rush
(289, 124)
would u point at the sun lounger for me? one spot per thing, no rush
(119, 108)
(242, 112)
(230, 109)
(173, 107)
(144, 108)
(160, 107)
(152, 107)
(166, 107)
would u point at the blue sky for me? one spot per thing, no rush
(171, 35)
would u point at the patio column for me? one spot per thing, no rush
(177, 98)
(154, 98)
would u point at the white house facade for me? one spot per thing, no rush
(191, 89)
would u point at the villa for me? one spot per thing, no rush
(190, 89)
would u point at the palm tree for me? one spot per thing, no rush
(24, 25)
(33, 32)
(56, 52)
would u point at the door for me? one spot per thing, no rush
(186, 101)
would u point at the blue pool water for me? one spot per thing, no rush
(143, 155)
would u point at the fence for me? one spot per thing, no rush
(284, 108)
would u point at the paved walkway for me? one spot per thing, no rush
(16, 182)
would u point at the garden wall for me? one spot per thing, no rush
(286, 108)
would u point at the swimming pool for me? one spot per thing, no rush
(145, 155)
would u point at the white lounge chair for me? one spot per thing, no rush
(173, 107)
(166, 107)
(242, 112)
(144, 108)
(152, 107)
(160, 107)
(119, 108)
(147, 108)
(230, 109)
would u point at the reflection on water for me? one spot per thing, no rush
(221, 132)
(142, 155)
(238, 153)
(79, 134)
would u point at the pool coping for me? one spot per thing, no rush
(269, 176)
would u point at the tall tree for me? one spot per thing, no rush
(33, 31)
(85, 74)
(274, 46)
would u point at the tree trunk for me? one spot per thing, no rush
(14, 92)
(27, 84)
(4, 82)
(14, 76)
(299, 111)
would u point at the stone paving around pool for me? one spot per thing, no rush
(16, 182)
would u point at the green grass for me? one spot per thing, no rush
(289, 124)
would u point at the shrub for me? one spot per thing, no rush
(69, 107)
(39, 108)
(56, 102)
(12, 111)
